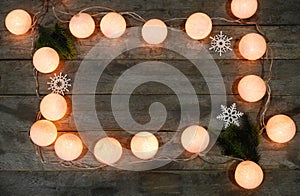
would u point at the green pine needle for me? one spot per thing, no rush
(241, 142)
(58, 38)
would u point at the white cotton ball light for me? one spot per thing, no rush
(198, 26)
(108, 150)
(252, 46)
(195, 139)
(18, 22)
(248, 175)
(144, 145)
(154, 31)
(113, 25)
(53, 107)
(43, 133)
(82, 25)
(243, 8)
(45, 60)
(68, 147)
(281, 128)
(252, 88)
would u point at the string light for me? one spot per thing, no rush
(113, 25)
(45, 60)
(198, 26)
(108, 150)
(68, 147)
(53, 107)
(144, 145)
(252, 46)
(195, 139)
(252, 88)
(280, 128)
(154, 31)
(43, 133)
(18, 22)
(243, 8)
(82, 25)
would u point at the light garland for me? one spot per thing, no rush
(144, 145)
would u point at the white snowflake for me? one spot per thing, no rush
(59, 83)
(220, 43)
(230, 115)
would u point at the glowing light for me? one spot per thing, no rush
(154, 31)
(45, 60)
(108, 150)
(252, 46)
(281, 128)
(82, 25)
(43, 133)
(252, 88)
(68, 147)
(248, 175)
(144, 145)
(18, 22)
(53, 106)
(243, 8)
(198, 26)
(195, 139)
(113, 25)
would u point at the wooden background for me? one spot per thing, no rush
(21, 170)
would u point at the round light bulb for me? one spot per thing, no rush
(252, 46)
(113, 25)
(248, 175)
(144, 145)
(82, 25)
(45, 60)
(68, 147)
(43, 133)
(18, 22)
(108, 150)
(252, 88)
(281, 128)
(195, 139)
(198, 26)
(243, 8)
(53, 106)
(154, 31)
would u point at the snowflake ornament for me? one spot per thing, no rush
(230, 115)
(220, 43)
(59, 84)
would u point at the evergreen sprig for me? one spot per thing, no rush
(241, 141)
(58, 38)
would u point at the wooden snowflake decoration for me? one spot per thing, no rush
(220, 43)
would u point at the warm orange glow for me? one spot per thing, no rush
(45, 60)
(82, 25)
(252, 46)
(243, 8)
(68, 147)
(252, 88)
(198, 26)
(154, 31)
(113, 25)
(53, 106)
(195, 139)
(108, 150)
(248, 175)
(144, 145)
(281, 128)
(18, 22)
(43, 133)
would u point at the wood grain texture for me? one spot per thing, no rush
(22, 173)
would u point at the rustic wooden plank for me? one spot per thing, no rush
(17, 153)
(22, 111)
(281, 14)
(281, 44)
(285, 78)
(143, 183)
